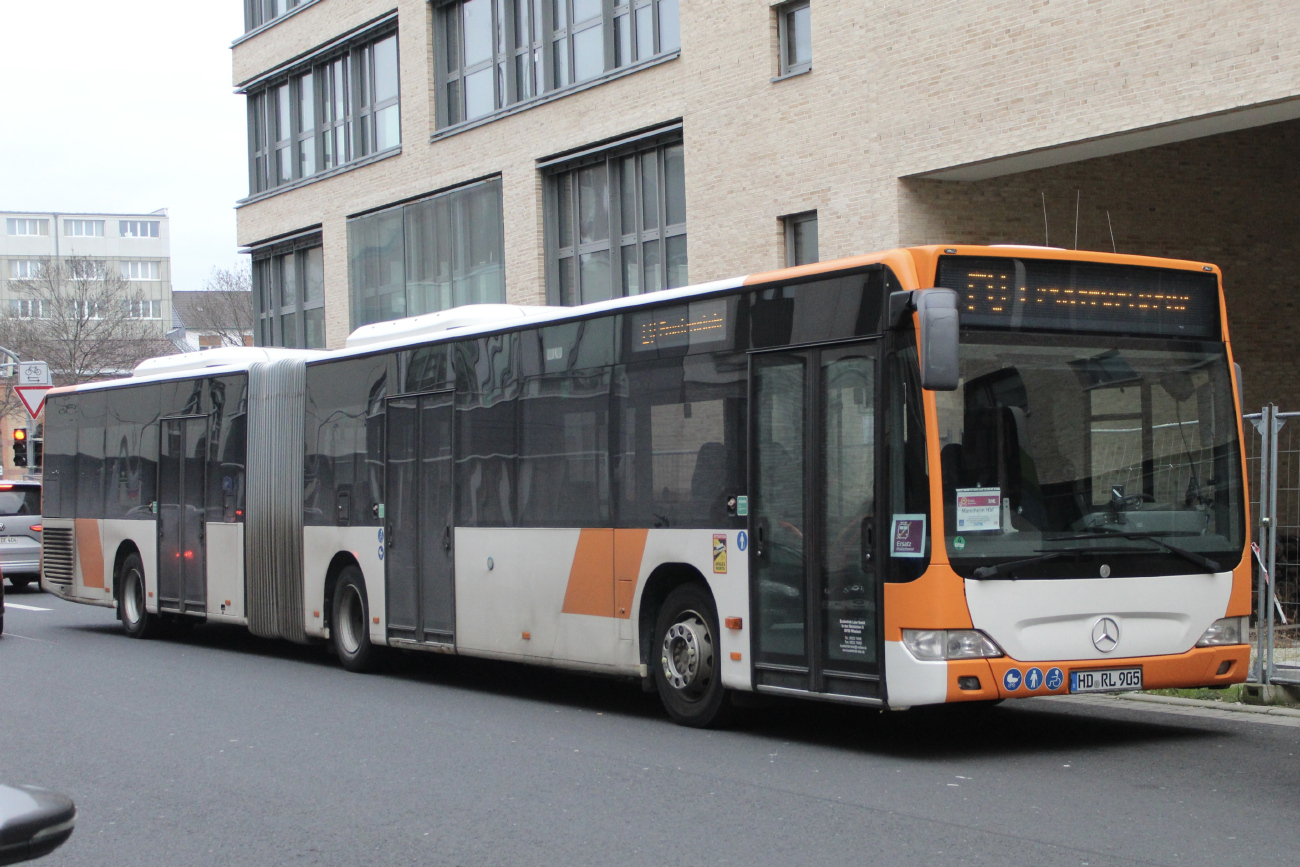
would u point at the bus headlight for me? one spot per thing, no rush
(1228, 630)
(937, 644)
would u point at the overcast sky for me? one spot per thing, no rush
(126, 107)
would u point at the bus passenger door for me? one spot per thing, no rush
(418, 530)
(182, 544)
(812, 495)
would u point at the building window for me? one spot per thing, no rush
(259, 12)
(617, 223)
(289, 294)
(434, 254)
(325, 115)
(26, 226)
(142, 309)
(801, 239)
(86, 269)
(24, 269)
(495, 53)
(140, 270)
(83, 228)
(794, 22)
(137, 228)
(27, 309)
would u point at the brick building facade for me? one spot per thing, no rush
(525, 125)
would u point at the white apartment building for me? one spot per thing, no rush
(137, 246)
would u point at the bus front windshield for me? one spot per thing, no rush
(1068, 456)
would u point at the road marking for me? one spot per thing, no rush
(25, 607)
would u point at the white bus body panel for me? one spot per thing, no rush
(144, 535)
(909, 681)
(320, 545)
(225, 554)
(1039, 621)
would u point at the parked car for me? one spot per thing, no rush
(20, 532)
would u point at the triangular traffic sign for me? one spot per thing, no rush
(33, 397)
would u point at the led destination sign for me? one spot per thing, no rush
(1043, 294)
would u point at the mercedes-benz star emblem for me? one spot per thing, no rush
(2, 527)
(1105, 634)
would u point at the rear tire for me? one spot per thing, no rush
(20, 582)
(137, 622)
(687, 660)
(350, 626)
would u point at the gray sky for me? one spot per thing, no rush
(130, 108)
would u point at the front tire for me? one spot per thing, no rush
(350, 626)
(136, 621)
(687, 659)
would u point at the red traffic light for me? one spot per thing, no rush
(20, 434)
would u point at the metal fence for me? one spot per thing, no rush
(1273, 467)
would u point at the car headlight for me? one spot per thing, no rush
(936, 644)
(1226, 630)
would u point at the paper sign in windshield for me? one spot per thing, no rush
(979, 509)
(907, 536)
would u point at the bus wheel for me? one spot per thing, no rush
(20, 582)
(136, 621)
(349, 629)
(687, 669)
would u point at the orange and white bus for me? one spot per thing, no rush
(937, 474)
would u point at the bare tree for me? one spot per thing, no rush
(88, 322)
(223, 308)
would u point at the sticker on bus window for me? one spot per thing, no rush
(907, 536)
(720, 553)
(979, 509)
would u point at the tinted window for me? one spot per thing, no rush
(487, 447)
(92, 411)
(131, 444)
(563, 471)
(20, 500)
(681, 441)
(60, 470)
(344, 431)
(227, 438)
(841, 307)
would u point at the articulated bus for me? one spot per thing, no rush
(938, 474)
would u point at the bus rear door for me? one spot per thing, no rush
(182, 542)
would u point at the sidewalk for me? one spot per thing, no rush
(1271, 714)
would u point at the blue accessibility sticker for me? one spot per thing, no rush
(1011, 680)
(1055, 678)
(1033, 678)
(381, 552)
(381, 535)
(742, 540)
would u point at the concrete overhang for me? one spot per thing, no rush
(1117, 143)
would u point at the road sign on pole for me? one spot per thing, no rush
(33, 397)
(33, 383)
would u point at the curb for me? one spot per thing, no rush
(1232, 707)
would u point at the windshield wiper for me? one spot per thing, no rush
(986, 572)
(1153, 537)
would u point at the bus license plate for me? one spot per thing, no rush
(1106, 680)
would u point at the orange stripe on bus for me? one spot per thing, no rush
(90, 552)
(629, 549)
(591, 577)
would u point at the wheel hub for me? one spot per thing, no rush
(687, 654)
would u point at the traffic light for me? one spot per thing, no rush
(38, 453)
(20, 447)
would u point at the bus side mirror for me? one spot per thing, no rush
(33, 822)
(939, 324)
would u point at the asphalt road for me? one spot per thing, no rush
(210, 746)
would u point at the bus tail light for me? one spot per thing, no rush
(937, 644)
(1226, 630)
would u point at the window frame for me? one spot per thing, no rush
(152, 266)
(511, 54)
(790, 225)
(268, 312)
(784, 12)
(316, 146)
(70, 224)
(612, 157)
(31, 266)
(42, 227)
(152, 228)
